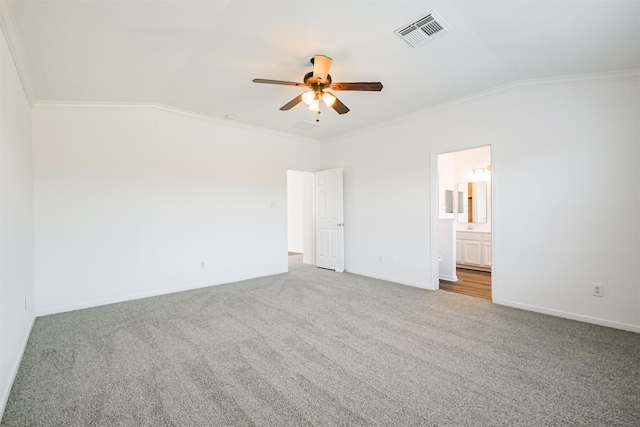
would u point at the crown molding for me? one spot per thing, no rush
(613, 75)
(12, 37)
(162, 107)
(623, 74)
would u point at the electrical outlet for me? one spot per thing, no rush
(598, 290)
(202, 265)
(380, 259)
(395, 260)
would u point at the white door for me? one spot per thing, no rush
(329, 220)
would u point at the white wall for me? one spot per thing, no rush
(386, 203)
(295, 214)
(16, 222)
(559, 147)
(131, 201)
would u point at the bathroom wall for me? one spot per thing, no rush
(464, 162)
(446, 181)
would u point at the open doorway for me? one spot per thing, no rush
(300, 217)
(465, 222)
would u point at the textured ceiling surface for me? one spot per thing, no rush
(201, 56)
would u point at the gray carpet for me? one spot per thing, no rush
(314, 347)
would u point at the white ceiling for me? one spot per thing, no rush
(200, 56)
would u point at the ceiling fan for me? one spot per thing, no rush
(317, 81)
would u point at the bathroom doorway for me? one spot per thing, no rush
(464, 221)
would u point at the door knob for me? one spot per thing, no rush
(341, 225)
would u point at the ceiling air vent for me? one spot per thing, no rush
(424, 29)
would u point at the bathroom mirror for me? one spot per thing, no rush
(472, 202)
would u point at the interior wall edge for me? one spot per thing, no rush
(17, 288)
(12, 39)
(426, 286)
(107, 301)
(569, 315)
(632, 74)
(175, 110)
(14, 371)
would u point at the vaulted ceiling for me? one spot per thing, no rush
(201, 56)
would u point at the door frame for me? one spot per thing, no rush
(434, 214)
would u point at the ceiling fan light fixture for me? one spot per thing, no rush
(315, 82)
(308, 97)
(328, 99)
(315, 105)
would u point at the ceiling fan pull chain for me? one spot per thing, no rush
(318, 118)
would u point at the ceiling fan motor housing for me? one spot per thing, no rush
(309, 81)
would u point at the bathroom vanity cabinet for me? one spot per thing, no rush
(473, 250)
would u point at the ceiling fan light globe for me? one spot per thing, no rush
(328, 99)
(307, 97)
(315, 105)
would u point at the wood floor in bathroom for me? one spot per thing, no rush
(470, 282)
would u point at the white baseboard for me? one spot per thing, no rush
(449, 278)
(391, 279)
(96, 303)
(568, 315)
(14, 370)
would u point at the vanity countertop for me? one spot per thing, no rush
(473, 231)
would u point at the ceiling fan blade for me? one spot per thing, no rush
(340, 107)
(321, 65)
(368, 86)
(289, 105)
(279, 82)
